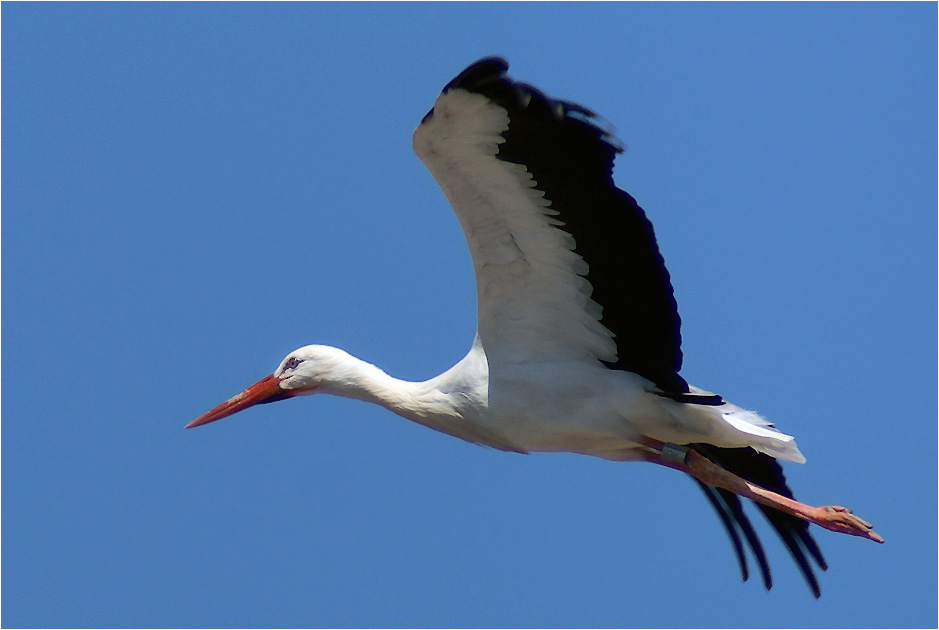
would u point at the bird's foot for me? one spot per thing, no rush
(840, 519)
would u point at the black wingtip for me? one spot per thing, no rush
(764, 471)
(483, 71)
(726, 516)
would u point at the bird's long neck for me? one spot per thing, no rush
(421, 402)
(453, 403)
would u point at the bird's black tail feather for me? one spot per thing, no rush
(766, 472)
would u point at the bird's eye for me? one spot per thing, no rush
(292, 363)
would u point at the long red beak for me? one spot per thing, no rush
(268, 389)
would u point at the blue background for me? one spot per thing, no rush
(192, 191)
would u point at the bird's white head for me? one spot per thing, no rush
(307, 370)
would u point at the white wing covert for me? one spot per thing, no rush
(567, 267)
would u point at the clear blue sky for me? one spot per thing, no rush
(192, 191)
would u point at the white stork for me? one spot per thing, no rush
(578, 347)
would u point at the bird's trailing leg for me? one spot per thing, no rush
(831, 517)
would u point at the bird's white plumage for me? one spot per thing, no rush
(534, 379)
(534, 303)
(538, 328)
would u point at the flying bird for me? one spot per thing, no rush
(578, 344)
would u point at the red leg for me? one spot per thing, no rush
(831, 517)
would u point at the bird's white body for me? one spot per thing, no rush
(548, 406)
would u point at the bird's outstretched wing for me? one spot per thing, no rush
(567, 266)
